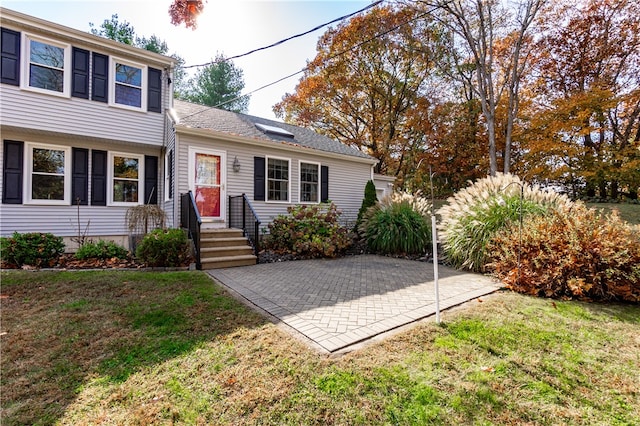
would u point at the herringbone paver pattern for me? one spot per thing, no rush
(339, 302)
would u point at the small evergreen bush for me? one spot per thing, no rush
(164, 247)
(571, 253)
(37, 249)
(475, 214)
(101, 250)
(370, 200)
(309, 232)
(398, 224)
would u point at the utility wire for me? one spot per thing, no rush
(288, 38)
(355, 46)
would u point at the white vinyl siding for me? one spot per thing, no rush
(347, 178)
(46, 65)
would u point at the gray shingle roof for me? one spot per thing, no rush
(202, 117)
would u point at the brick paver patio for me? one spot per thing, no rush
(337, 303)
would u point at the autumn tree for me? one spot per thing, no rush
(218, 84)
(371, 74)
(584, 131)
(489, 38)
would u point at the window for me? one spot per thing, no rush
(309, 182)
(125, 179)
(48, 174)
(47, 67)
(277, 179)
(128, 84)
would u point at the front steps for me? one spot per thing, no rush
(225, 248)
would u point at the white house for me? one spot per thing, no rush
(89, 128)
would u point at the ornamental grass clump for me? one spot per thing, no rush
(575, 253)
(398, 224)
(475, 214)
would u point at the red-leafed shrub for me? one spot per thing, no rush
(575, 253)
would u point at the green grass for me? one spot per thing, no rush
(627, 211)
(160, 348)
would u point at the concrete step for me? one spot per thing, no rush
(228, 261)
(211, 252)
(211, 242)
(220, 233)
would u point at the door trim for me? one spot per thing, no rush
(223, 180)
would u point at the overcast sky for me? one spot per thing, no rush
(228, 26)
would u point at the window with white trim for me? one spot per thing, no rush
(125, 178)
(309, 182)
(278, 179)
(48, 177)
(128, 84)
(46, 66)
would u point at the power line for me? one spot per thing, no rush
(355, 46)
(288, 38)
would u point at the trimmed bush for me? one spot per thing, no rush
(37, 249)
(309, 232)
(164, 247)
(576, 253)
(370, 200)
(475, 214)
(398, 224)
(101, 250)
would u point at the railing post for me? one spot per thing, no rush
(244, 214)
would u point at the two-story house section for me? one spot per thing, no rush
(83, 121)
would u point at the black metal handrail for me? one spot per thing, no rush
(243, 216)
(191, 221)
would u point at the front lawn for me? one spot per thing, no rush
(161, 348)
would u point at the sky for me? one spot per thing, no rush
(230, 27)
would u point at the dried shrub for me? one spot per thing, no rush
(574, 253)
(398, 224)
(309, 232)
(145, 217)
(475, 214)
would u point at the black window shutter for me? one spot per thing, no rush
(170, 171)
(80, 176)
(150, 179)
(100, 78)
(10, 57)
(12, 172)
(80, 75)
(154, 90)
(324, 184)
(258, 178)
(98, 178)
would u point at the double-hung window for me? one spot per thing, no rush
(47, 66)
(125, 178)
(309, 182)
(128, 84)
(48, 179)
(278, 179)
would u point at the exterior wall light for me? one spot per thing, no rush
(236, 165)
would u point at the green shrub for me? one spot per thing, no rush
(164, 247)
(37, 249)
(473, 216)
(398, 224)
(101, 250)
(571, 253)
(370, 200)
(309, 231)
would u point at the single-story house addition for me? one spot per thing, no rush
(90, 128)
